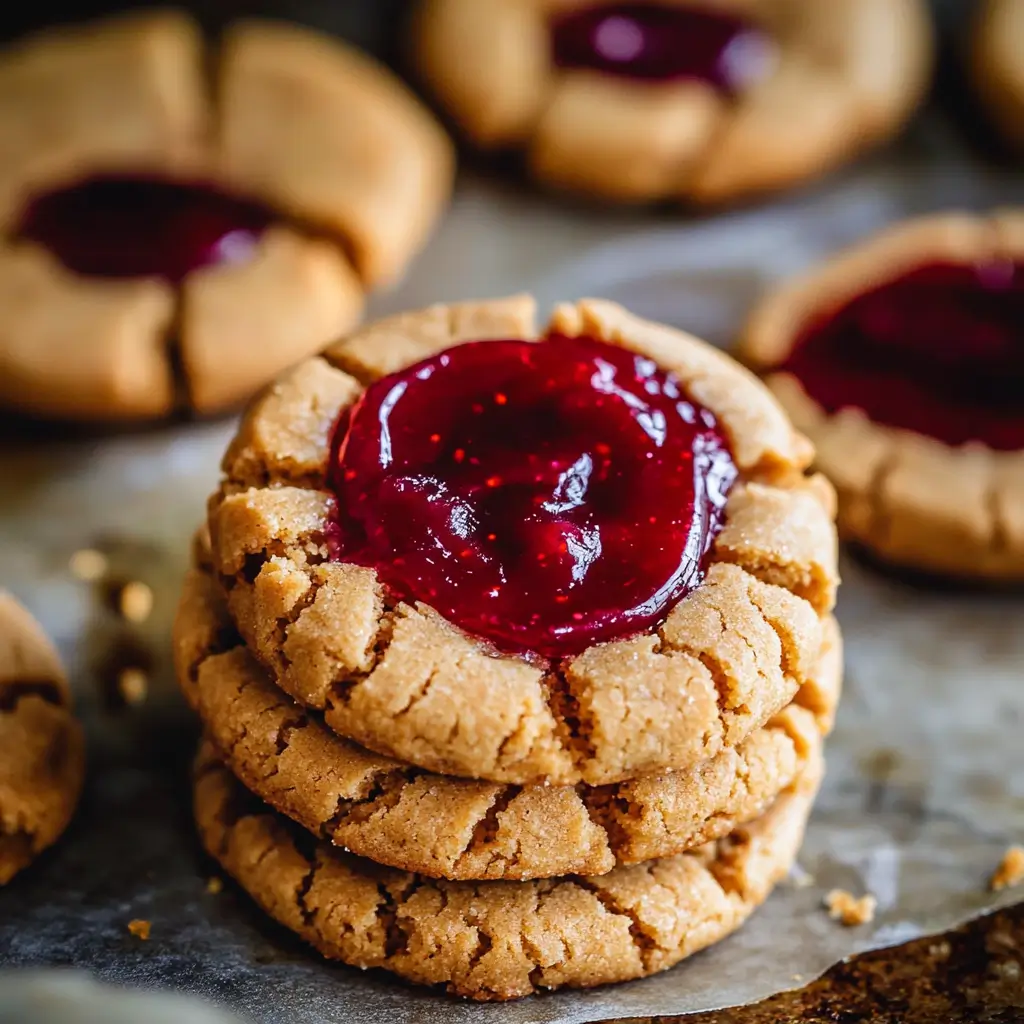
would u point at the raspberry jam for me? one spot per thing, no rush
(140, 227)
(939, 350)
(544, 496)
(656, 42)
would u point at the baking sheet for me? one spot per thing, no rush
(925, 787)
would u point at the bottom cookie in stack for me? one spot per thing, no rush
(495, 940)
(465, 900)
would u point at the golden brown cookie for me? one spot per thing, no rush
(914, 407)
(997, 58)
(42, 749)
(445, 827)
(497, 940)
(243, 217)
(703, 102)
(397, 678)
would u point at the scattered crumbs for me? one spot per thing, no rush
(1010, 871)
(132, 685)
(940, 950)
(135, 601)
(139, 928)
(796, 977)
(214, 886)
(88, 565)
(844, 906)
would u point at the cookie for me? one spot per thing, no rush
(497, 940)
(997, 64)
(651, 101)
(900, 358)
(247, 198)
(452, 828)
(728, 636)
(42, 749)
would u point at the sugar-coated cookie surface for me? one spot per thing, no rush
(348, 167)
(497, 940)
(702, 102)
(917, 419)
(42, 749)
(441, 826)
(395, 677)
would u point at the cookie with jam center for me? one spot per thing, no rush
(903, 360)
(681, 100)
(579, 554)
(179, 222)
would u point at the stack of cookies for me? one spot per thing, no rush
(513, 649)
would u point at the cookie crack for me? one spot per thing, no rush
(384, 792)
(307, 912)
(485, 833)
(646, 944)
(574, 729)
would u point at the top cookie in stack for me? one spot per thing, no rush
(551, 612)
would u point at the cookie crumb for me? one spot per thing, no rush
(139, 928)
(135, 601)
(1010, 871)
(214, 886)
(88, 565)
(132, 685)
(844, 906)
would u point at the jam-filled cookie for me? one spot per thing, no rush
(446, 827)
(903, 360)
(168, 241)
(497, 940)
(581, 554)
(702, 100)
(42, 749)
(998, 65)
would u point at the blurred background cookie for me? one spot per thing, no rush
(647, 100)
(998, 65)
(171, 242)
(901, 360)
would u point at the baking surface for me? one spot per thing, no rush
(926, 770)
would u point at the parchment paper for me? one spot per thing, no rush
(925, 786)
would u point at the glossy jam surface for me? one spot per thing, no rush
(544, 496)
(657, 42)
(939, 350)
(137, 227)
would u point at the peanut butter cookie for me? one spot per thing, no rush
(451, 828)
(170, 241)
(575, 558)
(903, 360)
(681, 99)
(42, 749)
(497, 940)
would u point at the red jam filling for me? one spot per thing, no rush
(545, 496)
(939, 350)
(140, 227)
(657, 42)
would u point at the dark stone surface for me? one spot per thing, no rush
(973, 975)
